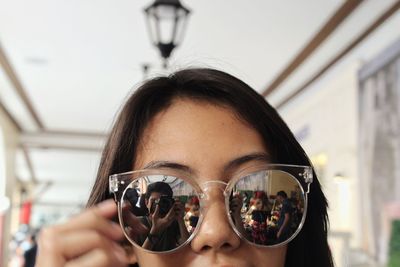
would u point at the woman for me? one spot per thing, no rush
(192, 217)
(209, 129)
(259, 220)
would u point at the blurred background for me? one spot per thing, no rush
(331, 68)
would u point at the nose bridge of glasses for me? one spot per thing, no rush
(212, 190)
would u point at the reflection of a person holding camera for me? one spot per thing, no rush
(285, 216)
(164, 220)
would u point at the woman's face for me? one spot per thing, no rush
(258, 204)
(207, 139)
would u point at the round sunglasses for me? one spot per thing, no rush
(161, 210)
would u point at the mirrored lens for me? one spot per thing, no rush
(159, 213)
(267, 207)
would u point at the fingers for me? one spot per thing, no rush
(130, 219)
(171, 212)
(48, 252)
(72, 245)
(88, 239)
(97, 218)
(170, 216)
(134, 222)
(106, 209)
(151, 205)
(156, 213)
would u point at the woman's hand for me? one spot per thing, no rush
(89, 239)
(159, 224)
(133, 226)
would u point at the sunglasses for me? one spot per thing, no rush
(161, 210)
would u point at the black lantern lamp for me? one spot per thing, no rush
(166, 21)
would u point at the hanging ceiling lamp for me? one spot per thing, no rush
(166, 23)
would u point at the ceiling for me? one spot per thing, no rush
(76, 62)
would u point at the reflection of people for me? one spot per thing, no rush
(212, 125)
(285, 216)
(164, 221)
(137, 205)
(236, 204)
(193, 214)
(259, 217)
(297, 212)
(30, 253)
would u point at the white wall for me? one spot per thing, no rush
(325, 121)
(10, 140)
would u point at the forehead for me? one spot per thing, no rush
(198, 135)
(155, 195)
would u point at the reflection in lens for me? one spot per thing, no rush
(266, 207)
(159, 212)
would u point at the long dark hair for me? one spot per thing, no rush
(310, 247)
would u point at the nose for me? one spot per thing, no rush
(215, 232)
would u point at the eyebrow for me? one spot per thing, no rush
(168, 164)
(231, 165)
(259, 156)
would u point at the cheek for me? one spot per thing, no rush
(273, 257)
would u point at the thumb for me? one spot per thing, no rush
(156, 211)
